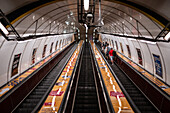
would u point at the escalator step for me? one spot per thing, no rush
(85, 97)
(45, 84)
(34, 96)
(32, 100)
(46, 81)
(138, 98)
(146, 108)
(90, 101)
(38, 93)
(86, 106)
(40, 90)
(86, 93)
(135, 95)
(132, 91)
(43, 87)
(28, 105)
(24, 110)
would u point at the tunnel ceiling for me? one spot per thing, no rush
(130, 17)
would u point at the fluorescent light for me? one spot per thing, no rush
(86, 5)
(5, 31)
(167, 37)
(149, 42)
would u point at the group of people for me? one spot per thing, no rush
(108, 51)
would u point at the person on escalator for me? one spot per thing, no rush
(107, 51)
(112, 54)
(103, 46)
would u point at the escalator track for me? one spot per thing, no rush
(86, 100)
(139, 99)
(31, 101)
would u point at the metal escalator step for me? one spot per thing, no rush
(86, 94)
(46, 81)
(34, 96)
(28, 105)
(86, 106)
(37, 93)
(45, 84)
(29, 100)
(135, 95)
(132, 91)
(138, 98)
(146, 108)
(40, 90)
(142, 103)
(86, 88)
(24, 110)
(90, 101)
(43, 87)
(85, 97)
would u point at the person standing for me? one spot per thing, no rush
(107, 51)
(111, 55)
(103, 46)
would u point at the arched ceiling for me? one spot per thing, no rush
(132, 17)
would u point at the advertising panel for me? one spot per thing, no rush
(15, 64)
(158, 66)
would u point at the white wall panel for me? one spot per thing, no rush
(37, 55)
(5, 56)
(164, 47)
(58, 42)
(147, 57)
(116, 40)
(27, 54)
(51, 39)
(124, 43)
(48, 46)
(19, 49)
(40, 49)
(1, 41)
(55, 41)
(134, 55)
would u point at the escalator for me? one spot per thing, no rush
(35, 97)
(86, 100)
(142, 103)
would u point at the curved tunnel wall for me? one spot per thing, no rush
(9, 49)
(148, 49)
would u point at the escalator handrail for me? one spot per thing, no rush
(68, 89)
(51, 86)
(106, 95)
(94, 64)
(135, 108)
(77, 80)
